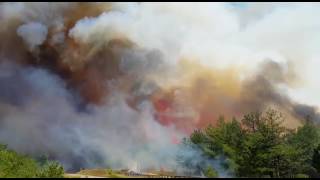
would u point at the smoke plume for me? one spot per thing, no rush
(115, 84)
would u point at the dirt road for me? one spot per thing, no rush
(81, 176)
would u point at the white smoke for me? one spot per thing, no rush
(165, 26)
(33, 33)
(213, 34)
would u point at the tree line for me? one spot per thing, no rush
(258, 146)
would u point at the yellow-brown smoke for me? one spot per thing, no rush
(220, 92)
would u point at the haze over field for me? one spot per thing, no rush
(120, 84)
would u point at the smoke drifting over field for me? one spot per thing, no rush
(112, 84)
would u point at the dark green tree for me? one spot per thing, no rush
(316, 159)
(259, 146)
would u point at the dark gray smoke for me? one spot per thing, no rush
(306, 112)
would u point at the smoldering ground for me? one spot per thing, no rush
(100, 84)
